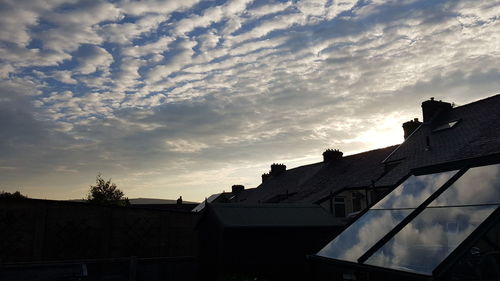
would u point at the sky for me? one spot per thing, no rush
(186, 98)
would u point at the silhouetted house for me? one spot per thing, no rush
(163, 204)
(442, 221)
(341, 184)
(224, 197)
(270, 240)
(347, 184)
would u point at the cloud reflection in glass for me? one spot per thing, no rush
(479, 185)
(427, 240)
(414, 191)
(362, 234)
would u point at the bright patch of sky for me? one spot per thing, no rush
(188, 97)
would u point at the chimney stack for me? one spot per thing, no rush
(431, 108)
(265, 177)
(332, 155)
(277, 169)
(237, 188)
(410, 127)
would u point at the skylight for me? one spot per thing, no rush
(445, 126)
(409, 232)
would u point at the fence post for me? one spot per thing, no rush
(132, 269)
(40, 230)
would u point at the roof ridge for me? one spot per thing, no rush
(350, 155)
(477, 101)
(373, 150)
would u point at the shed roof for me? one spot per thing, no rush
(272, 215)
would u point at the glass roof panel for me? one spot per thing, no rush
(414, 191)
(363, 234)
(427, 240)
(464, 191)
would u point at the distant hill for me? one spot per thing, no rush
(148, 201)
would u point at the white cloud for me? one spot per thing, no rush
(176, 61)
(208, 41)
(93, 58)
(283, 79)
(76, 26)
(138, 8)
(157, 47)
(267, 9)
(5, 69)
(125, 32)
(212, 15)
(64, 76)
(185, 146)
(338, 7)
(312, 7)
(279, 22)
(128, 77)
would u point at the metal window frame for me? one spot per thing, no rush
(341, 265)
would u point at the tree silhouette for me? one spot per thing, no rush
(15, 195)
(106, 193)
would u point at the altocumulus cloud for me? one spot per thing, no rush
(188, 97)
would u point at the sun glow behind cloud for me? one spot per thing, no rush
(188, 97)
(386, 130)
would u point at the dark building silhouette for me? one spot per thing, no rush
(267, 241)
(447, 134)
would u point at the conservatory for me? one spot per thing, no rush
(437, 226)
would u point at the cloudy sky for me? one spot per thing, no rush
(188, 97)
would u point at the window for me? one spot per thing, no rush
(339, 207)
(445, 126)
(356, 201)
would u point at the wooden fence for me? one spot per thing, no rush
(45, 230)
